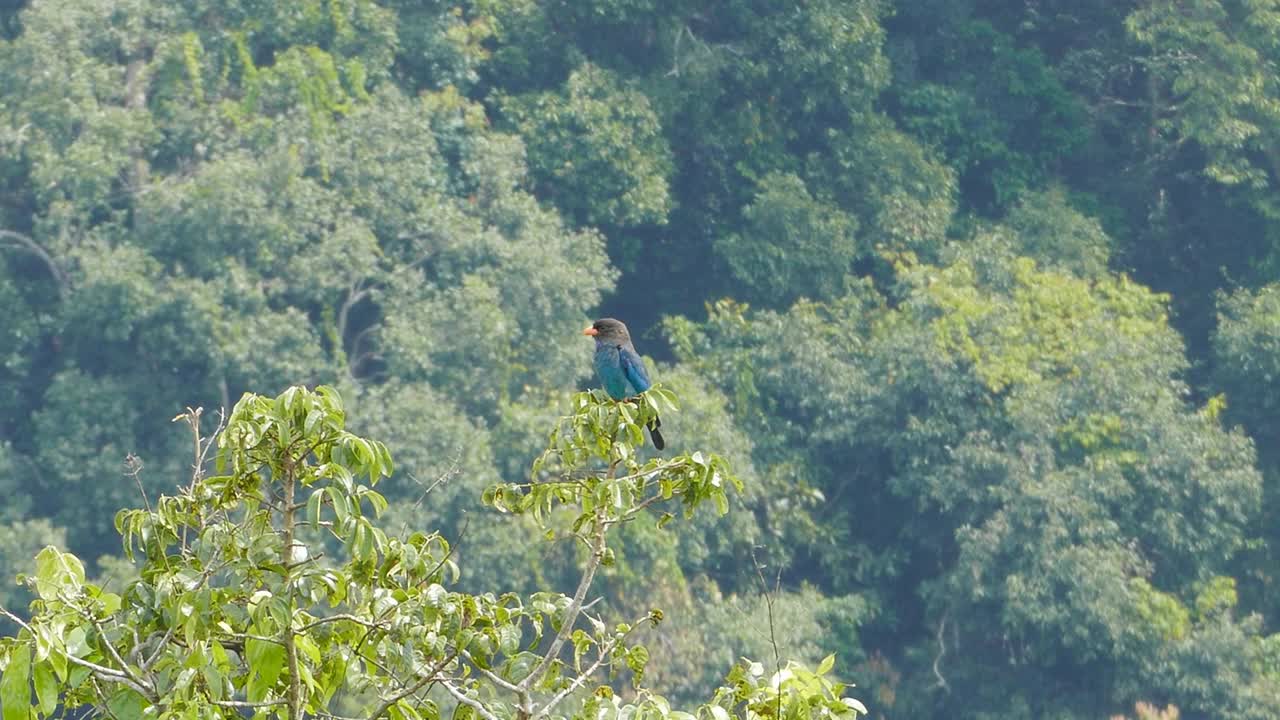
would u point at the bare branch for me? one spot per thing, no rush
(115, 654)
(575, 605)
(495, 678)
(942, 650)
(446, 476)
(605, 651)
(246, 704)
(16, 620)
(155, 654)
(337, 618)
(331, 716)
(106, 674)
(24, 242)
(290, 645)
(675, 52)
(357, 293)
(661, 468)
(125, 673)
(476, 705)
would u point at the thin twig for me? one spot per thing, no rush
(606, 651)
(466, 523)
(337, 618)
(16, 620)
(111, 650)
(101, 693)
(773, 637)
(446, 476)
(213, 567)
(422, 681)
(133, 468)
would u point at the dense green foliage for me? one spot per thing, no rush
(982, 300)
(235, 609)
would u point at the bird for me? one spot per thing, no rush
(620, 367)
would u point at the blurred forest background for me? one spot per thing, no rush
(980, 297)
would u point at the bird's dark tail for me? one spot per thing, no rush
(658, 442)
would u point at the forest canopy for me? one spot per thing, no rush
(980, 300)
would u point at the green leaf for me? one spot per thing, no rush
(15, 685)
(110, 603)
(827, 663)
(266, 662)
(57, 572)
(340, 507)
(313, 507)
(509, 639)
(637, 658)
(126, 704)
(76, 642)
(378, 502)
(46, 688)
(309, 648)
(463, 711)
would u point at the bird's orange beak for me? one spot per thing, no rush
(591, 331)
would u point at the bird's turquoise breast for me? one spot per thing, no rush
(608, 366)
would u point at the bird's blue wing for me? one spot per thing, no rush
(633, 368)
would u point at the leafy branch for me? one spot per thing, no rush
(237, 607)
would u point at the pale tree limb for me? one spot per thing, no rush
(575, 606)
(336, 618)
(463, 698)
(493, 677)
(942, 650)
(24, 242)
(605, 651)
(290, 645)
(247, 704)
(101, 672)
(355, 294)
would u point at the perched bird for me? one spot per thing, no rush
(620, 367)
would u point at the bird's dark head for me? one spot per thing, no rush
(608, 331)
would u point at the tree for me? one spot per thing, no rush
(596, 150)
(791, 243)
(268, 587)
(1246, 371)
(1036, 498)
(994, 107)
(234, 197)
